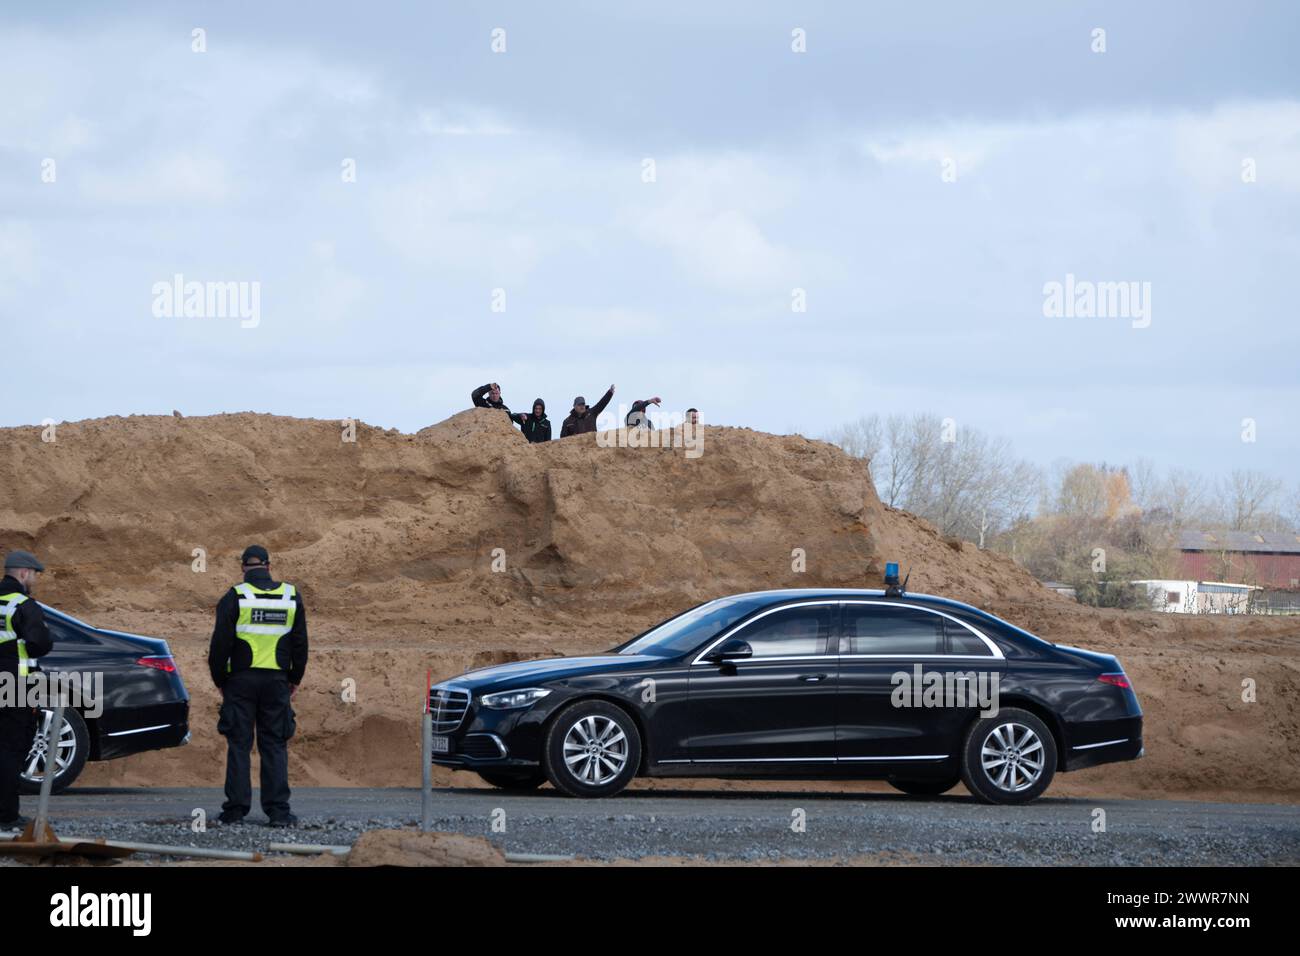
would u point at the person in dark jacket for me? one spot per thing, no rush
(23, 638)
(582, 419)
(489, 396)
(637, 417)
(257, 659)
(536, 427)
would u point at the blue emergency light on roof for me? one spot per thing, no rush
(892, 586)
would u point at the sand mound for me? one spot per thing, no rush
(463, 545)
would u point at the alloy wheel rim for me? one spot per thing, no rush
(38, 755)
(1013, 757)
(595, 750)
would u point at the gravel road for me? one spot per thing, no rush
(724, 826)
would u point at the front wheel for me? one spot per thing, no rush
(71, 748)
(513, 781)
(1010, 758)
(592, 749)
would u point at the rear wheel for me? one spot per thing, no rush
(925, 788)
(513, 781)
(70, 749)
(592, 749)
(1010, 758)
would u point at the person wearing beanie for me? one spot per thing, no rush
(257, 659)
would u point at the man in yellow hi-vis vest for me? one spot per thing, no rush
(23, 637)
(257, 658)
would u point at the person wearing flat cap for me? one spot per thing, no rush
(23, 638)
(582, 418)
(257, 659)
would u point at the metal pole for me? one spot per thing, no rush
(426, 751)
(310, 849)
(47, 777)
(160, 848)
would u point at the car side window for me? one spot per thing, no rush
(961, 640)
(790, 632)
(880, 629)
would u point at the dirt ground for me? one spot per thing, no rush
(462, 545)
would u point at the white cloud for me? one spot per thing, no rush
(177, 177)
(1205, 147)
(707, 211)
(1211, 146)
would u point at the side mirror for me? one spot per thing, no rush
(733, 649)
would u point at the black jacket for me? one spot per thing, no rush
(226, 648)
(480, 399)
(638, 416)
(577, 424)
(29, 626)
(535, 428)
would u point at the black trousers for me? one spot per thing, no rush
(257, 699)
(17, 731)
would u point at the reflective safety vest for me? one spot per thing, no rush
(264, 618)
(8, 604)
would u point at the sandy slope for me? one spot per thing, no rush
(391, 539)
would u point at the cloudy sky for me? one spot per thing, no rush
(920, 172)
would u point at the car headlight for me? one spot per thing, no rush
(513, 699)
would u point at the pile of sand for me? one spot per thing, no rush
(413, 848)
(463, 545)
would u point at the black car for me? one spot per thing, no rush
(144, 704)
(799, 684)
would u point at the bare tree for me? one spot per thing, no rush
(1082, 492)
(1179, 500)
(1248, 496)
(961, 480)
(972, 485)
(1291, 509)
(860, 438)
(1144, 484)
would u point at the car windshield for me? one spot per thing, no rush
(688, 630)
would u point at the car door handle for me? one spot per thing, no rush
(812, 678)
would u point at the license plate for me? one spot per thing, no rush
(442, 745)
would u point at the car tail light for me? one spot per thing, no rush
(158, 662)
(1119, 680)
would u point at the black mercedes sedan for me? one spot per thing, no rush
(921, 691)
(142, 704)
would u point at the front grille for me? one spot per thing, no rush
(480, 746)
(448, 706)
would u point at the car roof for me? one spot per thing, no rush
(795, 594)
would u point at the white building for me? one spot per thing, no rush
(1198, 597)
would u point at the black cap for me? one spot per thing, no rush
(22, 559)
(579, 401)
(255, 554)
